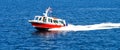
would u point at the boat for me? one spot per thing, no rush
(46, 22)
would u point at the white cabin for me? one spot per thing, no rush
(49, 20)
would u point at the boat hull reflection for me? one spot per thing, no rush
(48, 33)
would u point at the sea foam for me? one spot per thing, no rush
(100, 26)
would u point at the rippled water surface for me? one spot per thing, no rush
(17, 34)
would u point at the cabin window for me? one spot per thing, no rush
(61, 22)
(55, 21)
(40, 19)
(44, 19)
(49, 20)
(36, 18)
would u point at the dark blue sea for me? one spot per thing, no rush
(16, 33)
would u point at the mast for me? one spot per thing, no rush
(47, 11)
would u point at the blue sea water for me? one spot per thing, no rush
(17, 34)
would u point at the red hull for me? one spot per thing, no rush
(44, 25)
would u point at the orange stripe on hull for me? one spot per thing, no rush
(43, 25)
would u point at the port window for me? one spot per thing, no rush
(55, 21)
(49, 20)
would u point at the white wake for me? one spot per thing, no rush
(87, 27)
